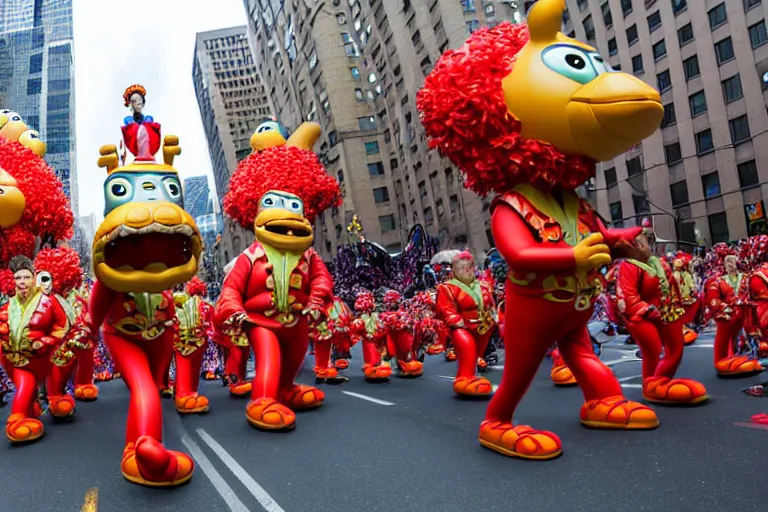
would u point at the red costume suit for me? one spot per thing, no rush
(468, 311)
(331, 333)
(521, 111)
(279, 282)
(431, 334)
(236, 353)
(195, 316)
(400, 326)
(372, 332)
(758, 294)
(85, 389)
(650, 301)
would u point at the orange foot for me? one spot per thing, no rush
(166, 392)
(300, 397)
(86, 393)
(269, 414)
(149, 463)
(20, 429)
(450, 355)
(519, 441)
(562, 376)
(192, 404)
(738, 365)
(763, 348)
(619, 413)
(482, 365)
(410, 368)
(472, 386)
(689, 336)
(341, 364)
(241, 389)
(326, 373)
(664, 390)
(377, 373)
(61, 406)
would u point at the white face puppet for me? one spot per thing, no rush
(45, 282)
(137, 103)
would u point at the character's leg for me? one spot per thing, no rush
(145, 460)
(663, 387)
(373, 367)
(604, 403)
(727, 364)
(293, 348)
(450, 350)
(236, 365)
(646, 335)
(161, 359)
(188, 401)
(467, 383)
(481, 343)
(342, 348)
(264, 411)
(61, 404)
(22, 425)
(85, 389)
(560, 374)
(325, 372)
(403, 342)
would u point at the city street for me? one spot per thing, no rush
(409, 445)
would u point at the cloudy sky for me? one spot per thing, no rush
(150, 42)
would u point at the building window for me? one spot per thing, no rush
(691, 67)
(581, 3)
(381, 195)
(654, 21)
(748, 174)
(704, 143)
(626, 7)
(313, 59)
(632, 35)
(355, 72)
(758, 35)
(748, 4)
(659, 50)
(718, 227)
(366, 123)
(472, 26)
(468, 5)
(669, 115)
(610, 177)
(376, 169)
(607, 16)
(372, 148)
(672, 153)
(35, 63)
(637, 64)
(359, 96)
(679, 6)
(679, 192)
(685, 34)
(617, 212)
(724, 50)
(711, 184)
(633, 167)
(739, 127)
(387, 223)
(613, 48)
(589, 28)
(641, 204)
(341, 18)
(732, 89)
(717, 16)
(698, 103)
(34, 86)
(663, 81)
(346, 38)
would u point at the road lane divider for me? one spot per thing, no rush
(256, 490)
(91, 503)
(367, 398)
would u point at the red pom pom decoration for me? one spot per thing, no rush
(64, 265)
(466, 118)
(196, 286)
(365, 302)
(7, 284)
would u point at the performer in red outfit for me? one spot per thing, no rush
(279, 282)
(146, 245)
(85, 389)
(195, 315)
(333, 332)
(727, 300)
(465, 305)
(373, 335)
(400, 326)
(650, 300)
(32, 326)
(237, 350)
(527, 112)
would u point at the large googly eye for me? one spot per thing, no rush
(172, 186)
(13, 116)
(268, 126)
(294, 206)
(119, 189)
(29, 135)
(271, 201)
(570, 62)
(600, 65)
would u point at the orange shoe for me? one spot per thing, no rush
(562, 376)
(379, 373)
(410, 368)
(519, 441)
(241, 389)
(341, 364)
(738, 365)
(450, 355)
(326, 373)
(472, 386)
(149, 463)
(435, 349)
(482, 365)
(192, 404)
(269, 414)
(86, 393)
(20, 429)
(664, 390)
(619, 413)
(61, 406)
(763, 348)
(300, 397)
(166, 392)
(689, 336)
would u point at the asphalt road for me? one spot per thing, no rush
(409, 445)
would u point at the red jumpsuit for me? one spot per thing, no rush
(373, 334)
(468, 312)
(328, 334)
(139, 331)
(650, 301)
(273, 295)
(727, 300)
(758, 293)
(29, 334)
(400, 341)
(85, 389)
(195, 316)
(64, 358)
(548, 299)
(236, 353)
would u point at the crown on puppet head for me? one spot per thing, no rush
(131, 90)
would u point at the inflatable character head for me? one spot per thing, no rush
(58, 270)
(277, 191)
(464, 269)
(527, 104)
(147, 242)
(269, 134)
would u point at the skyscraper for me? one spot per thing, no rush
(704, 175)
(37, 77)
(232, 104)
(196, 195)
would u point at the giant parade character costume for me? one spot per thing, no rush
(279, 282)
(146, 245)
(526, 112)
(329, 334)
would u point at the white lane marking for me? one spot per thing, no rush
(221, 486)
(368, 398)
(632, 386)
(494, 386)
(629, 359)
(258, 492)
(631, 377)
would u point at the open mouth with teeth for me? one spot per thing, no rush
(288, 230)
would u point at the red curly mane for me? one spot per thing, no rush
(287, 169)
(466, 118)
(64, 265)
(196, 286)
(7, 284)
(47, 212)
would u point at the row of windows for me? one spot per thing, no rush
(738, 127)
(710, 183)
(732, 91)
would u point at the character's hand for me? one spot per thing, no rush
(652, 314)
(591, 253)
(237, 320)
(314, 312)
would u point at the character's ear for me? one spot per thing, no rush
(171, 149)
(305, 136)
(545, 20)
(108, 159)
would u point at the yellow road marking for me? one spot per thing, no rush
(91, 503)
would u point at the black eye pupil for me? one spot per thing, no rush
(174, 189)
(575, 61)
(118, 190)
(268, 201)
(295, 205)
